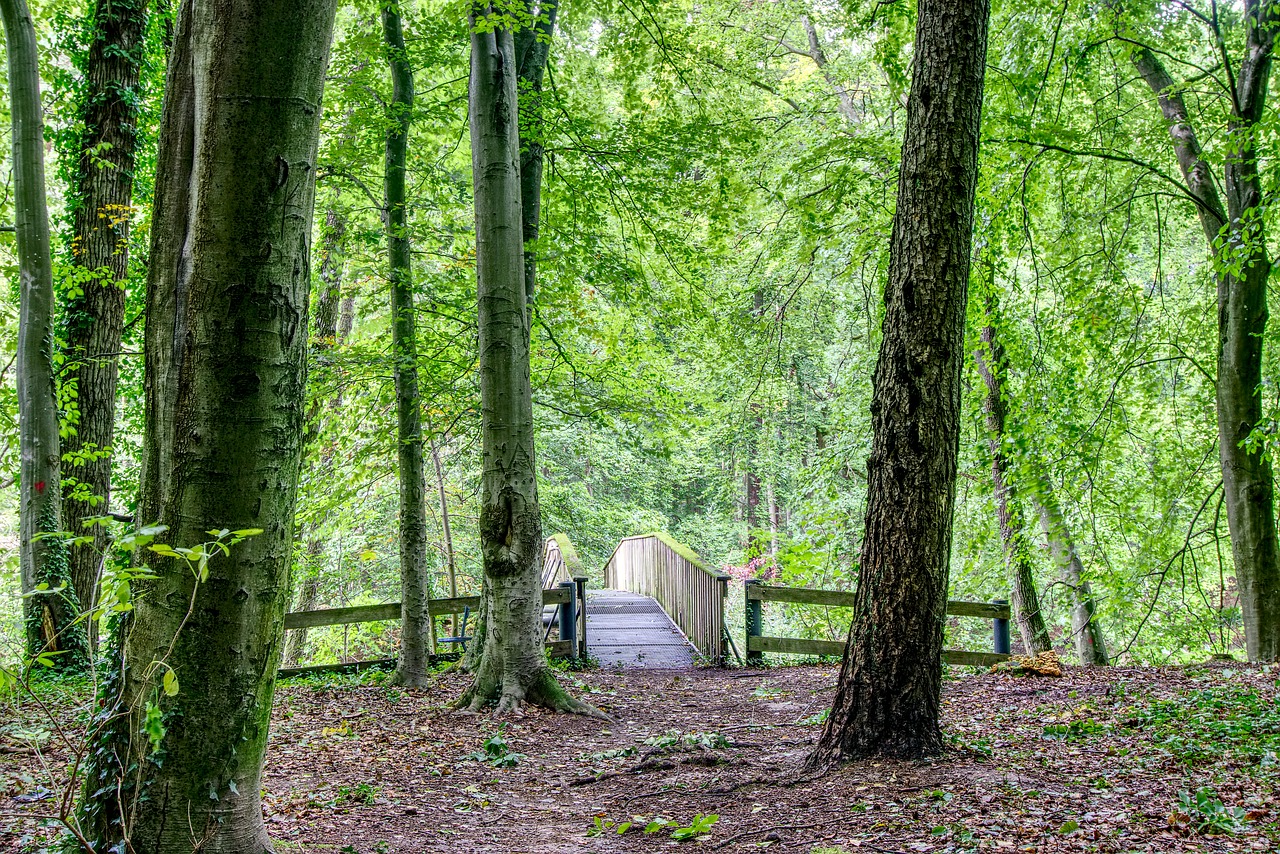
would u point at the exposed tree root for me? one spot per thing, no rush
(510, 692)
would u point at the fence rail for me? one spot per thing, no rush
(758, 643)
(562, 587)
(692, 594)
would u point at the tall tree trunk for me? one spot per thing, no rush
(332, 250)
(888, 698)
(532, 48)
(512, 666)
(295, 642)
(226, 372)
(992, 366)
(1091, 646)
(446, 528)
(414, 666)
(1237, 241)
(49, 616)
(103, 201)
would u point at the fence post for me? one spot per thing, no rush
(755, 622)
(569, 618)
(580, 581)
(1001, 630)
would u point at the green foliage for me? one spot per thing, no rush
(1207, 814)
(496, 751)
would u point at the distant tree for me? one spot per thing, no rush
(414, 665)
(888, 698)
(1235, 234)
(177, 755)
(102, 199)
(51, 607)
(992, 366)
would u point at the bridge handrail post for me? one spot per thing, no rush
(569, 618)
(755, 622)
(580, 581)
(1000, 630)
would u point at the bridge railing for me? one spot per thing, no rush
(691, 593)
(560, 565)
(759, 643)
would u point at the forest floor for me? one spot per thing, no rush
(1118, 760)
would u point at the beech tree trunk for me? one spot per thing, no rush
(511, 667)
(1086, 629)
(102, 197)
(888, 697)
(992, 366)
(1237, 240)
(414, 666)
(176, 765)
(49, 617)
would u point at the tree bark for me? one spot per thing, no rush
(49, 617)
(1237, 241)
(992, 366)
(887, 701)
(332, 251)
(1091, 646)
(102, 197)
(414, 666)
(511, 667)
(225, 377)
(532, 47)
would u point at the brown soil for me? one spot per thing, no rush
(1095, 761)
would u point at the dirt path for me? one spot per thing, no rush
(1096, 761)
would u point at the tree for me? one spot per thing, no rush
(179, 743)
(414, 665)
(102, 195)
(888, 697)
(1237, 241)
(992, 366)
(1086, 630)
(51, 609)
(511, 667)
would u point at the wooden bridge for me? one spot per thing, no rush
(661, 607)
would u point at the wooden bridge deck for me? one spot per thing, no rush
(629, 630)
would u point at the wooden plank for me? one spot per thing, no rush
(795, 646)
(557, 595)
(561, 649)
(974, 659)
(391, 610)
(985, 610)
(342, 616)
(440, 607)
(346, 667)
(845, 599)
(800, 595)
(555, 649)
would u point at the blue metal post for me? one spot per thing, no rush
(755, 623)
(1001, 630)
(569, 617)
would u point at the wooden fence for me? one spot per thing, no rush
(692, 594)
(559, 588)
(757, 593)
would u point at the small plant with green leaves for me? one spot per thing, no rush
(1204, 813)
(698, 828)
(363, 794)
(496, 751)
